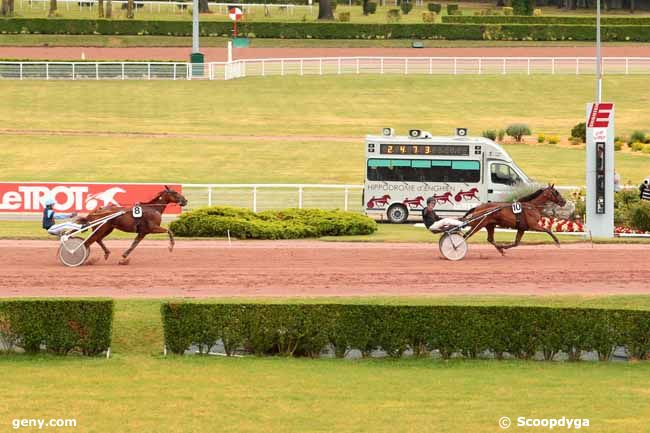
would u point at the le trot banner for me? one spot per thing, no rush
(78, 197)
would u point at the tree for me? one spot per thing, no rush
(100, 8)
(204, 7)
(365, 7)
(129, 10)
(4, 10)
(325, 10)
(52, 8)
(109, 9)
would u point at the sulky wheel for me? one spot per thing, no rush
(452, 246)
(73, 252)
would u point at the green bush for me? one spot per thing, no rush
(637, 146)
(501, 134)
(517, 131)
(429, 17)
(580, 131)
(406, 7)
(330, 30)
(623, 201)
(490, 133)
(434, 7)
(637, 136)
(306, 329)
(286, 224)
(618, 145)
(60, 326)
(393, 16)
(451, 8)
(344, 17)
(371, 7)
(553, 139)
(541, 138)
(640, 215)
(646, 148)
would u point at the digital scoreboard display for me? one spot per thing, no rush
(423, 149)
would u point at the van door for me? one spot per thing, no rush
(502, 180)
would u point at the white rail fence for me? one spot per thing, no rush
(259, 197)
(322, 66)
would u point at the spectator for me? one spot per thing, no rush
(645, 189)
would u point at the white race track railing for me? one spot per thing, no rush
(323, 66)
(259, 197)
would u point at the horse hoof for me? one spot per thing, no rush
(124, 262)
(171, 248)
(106, 256)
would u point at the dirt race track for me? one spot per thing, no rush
(306, 268)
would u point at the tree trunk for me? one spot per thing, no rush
(52, 8)
(365, 7)
(203, 7)
(100, 8)
(11, 7)
(632, 6)
(4, 10)
(325, 10)
(129, 10)
(108, 13)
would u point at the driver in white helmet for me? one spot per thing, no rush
(49, 217)
(433, 222)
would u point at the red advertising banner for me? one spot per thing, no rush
(78, 197)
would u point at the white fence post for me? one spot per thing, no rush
(627, 66)
(97, 71)
(175, 71)
(528, 67)
(73, 71)
(480, 67)
(300, 197)
(430, 66)
(282, 67)
(357, 65)
(577, 65)
(455, 65)
(339, 66)
(21, 65)
(503, 71)
(553, 66)
(320, 66)
(301, 64)
(263, 68)
(149, 71)
(209, 196)
(406, 66)
(345, 201)
(47, 71)
(123, 74)
(254, 199)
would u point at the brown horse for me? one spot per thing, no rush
(504, 216)
(149, 222)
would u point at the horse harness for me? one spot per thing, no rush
(517, 210)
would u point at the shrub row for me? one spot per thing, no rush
(58, 326)
(331, 30)
(218, 221)
(519, 19)
(306, 329)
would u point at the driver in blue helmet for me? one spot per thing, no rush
(49, 217)
(433, 222)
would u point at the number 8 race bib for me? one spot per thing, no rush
(137, 211)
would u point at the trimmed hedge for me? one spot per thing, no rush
(519, 19)
(60, 326)
(306, 329)
(330, 30)
(286, 224)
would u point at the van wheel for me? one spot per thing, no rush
(397, 214)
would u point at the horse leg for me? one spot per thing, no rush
(160, 229)
(557, 241)
(490, 237)
(136, 241)
(100, 242)
(520, 234)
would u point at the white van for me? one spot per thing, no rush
(459, 172)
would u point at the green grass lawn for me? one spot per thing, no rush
(138, 390)
(288, 129)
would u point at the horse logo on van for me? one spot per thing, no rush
(443, 198)
(467, 195)
(414, 203)
(379, 202)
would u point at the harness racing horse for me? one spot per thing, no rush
(149, 222)
(503, 215)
